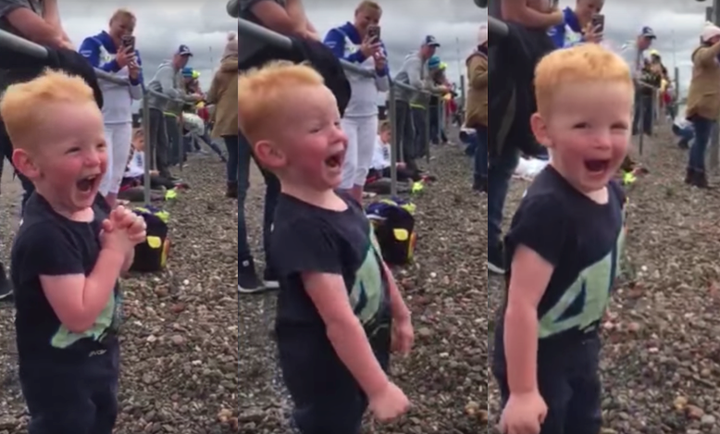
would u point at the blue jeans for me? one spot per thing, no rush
(643, 116)
(703, 128)
(685, 134)
(481, 153)
(499, 173)
(272, 192)
(232, 143)
(419, 121)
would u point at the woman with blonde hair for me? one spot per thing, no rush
(114, 52)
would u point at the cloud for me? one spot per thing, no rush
(162, 26)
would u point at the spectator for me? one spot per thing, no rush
(165, 109)
(703, 103)
(114, 52)
(437, 131)
(576, 27)
(354, 43)
(477, 107)
(37, 21)
(635, 56)
(414, 72)
(513, 99)
(223, 94)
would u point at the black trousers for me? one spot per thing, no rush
(159, 141)
(73, 398)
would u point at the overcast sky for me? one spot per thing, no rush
(162, 26)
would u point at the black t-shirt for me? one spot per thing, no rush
(49, 244)
(583, 240)
(306, 238)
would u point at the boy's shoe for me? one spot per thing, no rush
(270, 279)
(496, 259)
(248, 281)
(6, 292)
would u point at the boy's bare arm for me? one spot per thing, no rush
(529, 278)
(78, 300)
(346, 334)
(276, 18)
(521, 12)
(400, 310)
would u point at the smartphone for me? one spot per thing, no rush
(128, 41)
(373, 33)
(598, 23)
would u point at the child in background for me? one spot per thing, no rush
(564, 245)
(132, 186)
(67, 257)
(339, 309)
(381, 159)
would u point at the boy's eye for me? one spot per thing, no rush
(581, 125)
(73, 150)
(620, 126)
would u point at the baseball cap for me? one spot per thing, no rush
(184, 50)
(647, 32)
(709, 32)
(431, 41)
(434, 62)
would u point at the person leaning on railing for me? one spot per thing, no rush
(476, 111)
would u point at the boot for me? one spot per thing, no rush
(700, 180)
(232, 190)
(689, 176)
(480, 184)
(6, 292)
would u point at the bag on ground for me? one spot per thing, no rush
(151, 256)
(394, 226)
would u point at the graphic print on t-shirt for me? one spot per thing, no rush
(367, 295)
(583, 304)
(107, 322)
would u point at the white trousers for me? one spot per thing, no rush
(361, 133)
(118, 138)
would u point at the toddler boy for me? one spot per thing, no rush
(339, 308)
(66, 258)
(564, 246)
(381, 159)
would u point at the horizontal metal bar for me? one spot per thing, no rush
(253, 30)
(497, 28)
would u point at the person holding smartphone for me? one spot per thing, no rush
(584, 23)
(359, 42)
(113, 51)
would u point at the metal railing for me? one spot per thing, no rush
(21, 45)
(255, 31)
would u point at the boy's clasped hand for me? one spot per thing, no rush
(123, 230)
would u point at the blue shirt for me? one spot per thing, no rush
(568, 33)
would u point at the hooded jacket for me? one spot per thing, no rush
(169, 82)
(414, 72)
(477, 96)
(568, 33)
(223, 94)
(345, 42)
(703, 97)
(100, 51)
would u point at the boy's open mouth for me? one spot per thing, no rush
(86, 184)
(596, 166)
(334, 161)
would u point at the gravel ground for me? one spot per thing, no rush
(661, 358)
(446, 289)
(179, 339)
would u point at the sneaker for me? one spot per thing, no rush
(6, 292)
(496, 260)
(270, 280)
(248, 281)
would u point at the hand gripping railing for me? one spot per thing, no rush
(22, 46)
(255, 31)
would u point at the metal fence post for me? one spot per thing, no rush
(394, 140)
(149, 150)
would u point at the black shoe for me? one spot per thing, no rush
(682, 144)
(496, 259)
(270, 279)
(689, 176)
(480, 184)
(248, 281)
(700, 180)
(6, 290)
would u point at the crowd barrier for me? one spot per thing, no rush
(253, 30)
(20, 45)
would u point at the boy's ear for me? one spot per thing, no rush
(269, 155)
(539, 129)
(24, 164)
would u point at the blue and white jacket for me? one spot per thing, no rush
(345, 42)
(568, 33)
(100, 51)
